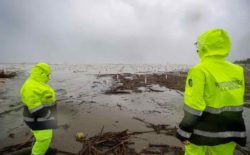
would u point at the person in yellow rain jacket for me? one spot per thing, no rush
(213, 100)
(39, 107)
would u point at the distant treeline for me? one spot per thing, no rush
(246, 61)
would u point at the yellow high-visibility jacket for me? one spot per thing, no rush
(39, 99)
(214, 95)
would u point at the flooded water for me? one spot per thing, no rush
(83, 105)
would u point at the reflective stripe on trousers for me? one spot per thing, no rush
(225, 134)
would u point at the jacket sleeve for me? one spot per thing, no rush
(194, 103)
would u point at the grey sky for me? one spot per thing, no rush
(117, 31)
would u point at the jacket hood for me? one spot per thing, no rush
(41, 72)
(214, 42)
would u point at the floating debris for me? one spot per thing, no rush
(154, 82)
(25, 148)
(7, 74)
(162, 149)
(157, 88)
(16, 108)
(109, 143)
(12, 135)
(118, 143)
(64, 126)
(16, 148)
(159, 128)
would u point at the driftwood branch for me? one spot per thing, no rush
(159, 128)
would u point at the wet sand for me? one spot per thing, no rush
(92, 118)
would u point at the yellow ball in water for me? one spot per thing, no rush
(80, 136)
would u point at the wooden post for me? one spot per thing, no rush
(117, 77)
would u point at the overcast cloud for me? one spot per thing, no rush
(117, 31)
